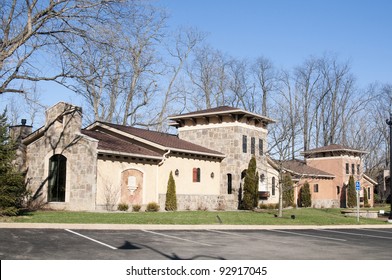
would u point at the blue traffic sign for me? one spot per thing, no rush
(357, 186)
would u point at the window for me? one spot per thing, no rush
(57, 178)
(353, 168)
(196, 175)
(337, 190)
(244, 144)
(315, 188)
(273, 185)
(368, 190)
(261, 150)
(347, 168)
(252, 146)
(358, 169)
(229, 184)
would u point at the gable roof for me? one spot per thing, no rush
(160, 140)
(333, 148)
(299, 167)
(110, 143)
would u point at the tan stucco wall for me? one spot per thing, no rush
(337, 166)
(184, 182)
(326, 197)
(109, 172)
(155, 178)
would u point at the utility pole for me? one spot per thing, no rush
(389, 122)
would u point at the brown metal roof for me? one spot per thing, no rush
(221, 110)
(333, 148)
(107, 142)
(299, 167)
(167, 141)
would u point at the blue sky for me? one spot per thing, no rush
(287, 32)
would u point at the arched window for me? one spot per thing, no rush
(57, 178)
(196, 175)
(273, 185)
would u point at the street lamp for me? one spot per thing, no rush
(389, 122)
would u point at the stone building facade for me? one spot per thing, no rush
(237, 134)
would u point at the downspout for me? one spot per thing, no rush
(157, 177)
(164, 157)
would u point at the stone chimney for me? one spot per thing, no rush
(17, 133)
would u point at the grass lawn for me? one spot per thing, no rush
(303, 216)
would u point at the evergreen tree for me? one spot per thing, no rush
(306, 197)
(256, 194)
(288, 190)
(365, 198)
(351, 193)
(250, 185)
(171, 198)
(12, 188)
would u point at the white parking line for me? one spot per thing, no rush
(225, 232)
(175, 237)
(89, 238)
(375, 230)
(309, 235)
(360, 234)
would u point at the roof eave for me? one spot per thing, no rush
(228, 112)
(117, 153)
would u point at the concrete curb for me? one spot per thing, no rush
(180, 227)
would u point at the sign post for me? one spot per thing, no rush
(358, 189)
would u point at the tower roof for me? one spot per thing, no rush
(219, 112)
(332, 150)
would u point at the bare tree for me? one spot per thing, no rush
(185, 42)
(307, 79)
(117, 73)
(33, 28)
(239, 85)
(266, 78)
(205, 73)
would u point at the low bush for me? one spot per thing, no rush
(122, 207)
(152, 207)
(136, 207)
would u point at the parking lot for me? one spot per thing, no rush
(196, 244)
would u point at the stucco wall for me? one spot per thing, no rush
(109, 182)
(337, 166)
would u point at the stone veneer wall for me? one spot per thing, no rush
(326, 203)
(200, 202)
(227, 139)
(62, 136)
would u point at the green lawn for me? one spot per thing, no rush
(303, 216)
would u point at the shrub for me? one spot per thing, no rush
(12, 187)
(263, 206)
(250, 186)
(365, 198)
(306, 198)
(122, 207)
(136, 207)
(152, 207)
(351, 193)
(288, 191)
(171, 199)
